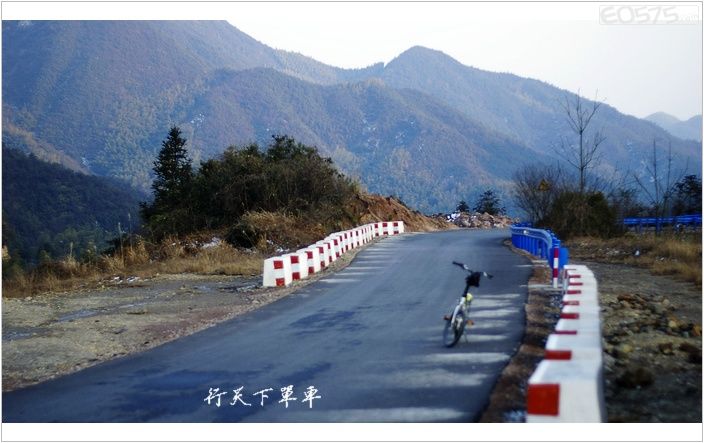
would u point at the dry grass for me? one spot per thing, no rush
(679, 255)
(270, 230)
(170, 257)
(217, 260)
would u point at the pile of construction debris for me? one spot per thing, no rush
(481, 221)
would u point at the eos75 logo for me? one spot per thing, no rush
(648, 14)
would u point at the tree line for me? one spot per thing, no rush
(570, 199)
(288, 178)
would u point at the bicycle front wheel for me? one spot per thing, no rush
(453, 329)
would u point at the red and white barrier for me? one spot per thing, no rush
(324, 253)
(329, 250)
(566, 391)
(336, 246)
(299, 265)
(312, 259)
(578, 326)
(355, 238)
(367, 233)
(573, 347)
(345, 241)
(567, 386)
(277, 272)
(281, 271)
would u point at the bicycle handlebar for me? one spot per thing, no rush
(466, 268)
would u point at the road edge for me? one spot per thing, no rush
(507, 402)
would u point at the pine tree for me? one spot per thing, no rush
(173, 171)
(489, 202)
(171, 211)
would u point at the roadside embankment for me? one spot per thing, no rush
(651, 336)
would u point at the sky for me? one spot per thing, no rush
(595, 48)
(638, 68)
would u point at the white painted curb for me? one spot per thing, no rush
(567, 386)
(566, 392)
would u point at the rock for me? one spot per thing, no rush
(666, 348)
(623, 350)
(635, 377)
(672, 323)
(694, 354)
(696, 331)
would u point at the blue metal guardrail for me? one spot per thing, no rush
(690, 220)
(541, 243)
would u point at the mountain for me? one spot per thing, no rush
(399, 142)
(99, 96)
(690, 129)
(48, 207)
(104, 92)
(530, 111)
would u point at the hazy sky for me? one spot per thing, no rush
(638, 68)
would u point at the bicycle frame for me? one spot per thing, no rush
(462, 307)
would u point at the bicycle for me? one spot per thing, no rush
(455, 323)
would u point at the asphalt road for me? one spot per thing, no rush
(368, 339)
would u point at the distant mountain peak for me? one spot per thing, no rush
(662, 117)
(416, 52)
(686, 129)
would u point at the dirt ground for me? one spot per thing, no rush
(48, 335)
(652, 345)
(651, 329)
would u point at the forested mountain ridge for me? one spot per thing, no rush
(528, 110)
(102, 92)
(400, 142)
(46, 207)
(98, 96)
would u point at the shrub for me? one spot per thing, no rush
(573, 214)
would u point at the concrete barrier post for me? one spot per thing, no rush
(277, 272)
(312, 259)
(330, 249)
(555, 266)
(566, 391)
(386, 228)
(324, 249)
(299, 265)
(335, 245)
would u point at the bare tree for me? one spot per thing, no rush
(535, 188)
(658, 184)
(579, 115)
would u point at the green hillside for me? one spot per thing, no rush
(97, 96)
(46, 207)
(398, 142)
